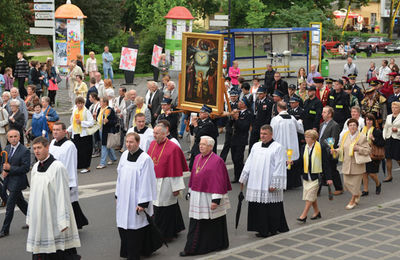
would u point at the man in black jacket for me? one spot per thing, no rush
(21, 73)
(278, 84)
(242, 120)
(269, 76)
(172, 118)
(154, 103)
(312, 110)
(15, 180)
(340, 102)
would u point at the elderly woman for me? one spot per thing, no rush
(49, 112)
(91, 65)
(30, 101)
(374, 137)
(3, 125)
(6, 97)
(81, 88)
(163, 65)
(354, 153)
(81, 120)
(107, 119)
(139, 107)
(356, 114)
(391, 134)
(313, 158)
(17, 119)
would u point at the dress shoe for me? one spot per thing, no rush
(302, 220)
(25, 227)
(316, 216)
(3, 234)
(388, 180)
(85, 171)
(261, 235)
(338, 192)
(378, 189)
(350, 206)
(183, 254)
(364, 193)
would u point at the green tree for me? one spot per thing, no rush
(255, 18)
(14, 30)
(394, 9)
(358, 3)
(204, 8)
(103, 20)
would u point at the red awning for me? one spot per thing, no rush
(342, 14)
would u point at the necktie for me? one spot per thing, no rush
(12, 152)
(151, 95)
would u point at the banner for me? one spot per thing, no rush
(157, 50)
(128, 59)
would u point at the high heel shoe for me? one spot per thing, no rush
(388, 180)
(302, 220)
(378, 189)
(316, 216)
(364, 193)
(350, 206)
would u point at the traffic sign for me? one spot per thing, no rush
(221, 17)
(41, 31)
(44, 23)
(360, 19)
(44, 15)
(43, 7)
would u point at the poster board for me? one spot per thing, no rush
(128, 59)
(200, 82)
(157, 51)
(315, 45)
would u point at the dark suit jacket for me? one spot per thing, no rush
(282, 86)
(331, 130)
(109, 127)
(156, 103)
(325, 165)
(16, 179)
(19, 122)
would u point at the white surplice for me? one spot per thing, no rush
(50, 211)
(200, 205)
(145, 139)
(136, 184)
(165, 187)
(68, 155)
(285, 132)
(265, 168)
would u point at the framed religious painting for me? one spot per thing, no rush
(201, 80)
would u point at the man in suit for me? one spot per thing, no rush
(278, 84)
(173, 93)
(329, 128)
(154, 102)
(15, 180)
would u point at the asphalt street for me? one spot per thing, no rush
(100, 239)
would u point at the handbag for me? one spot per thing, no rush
(58, 78)
(50, 124)
(113, 140)
(377, 153)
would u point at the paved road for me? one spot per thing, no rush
(100, 239)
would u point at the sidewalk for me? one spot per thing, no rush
(372, 233)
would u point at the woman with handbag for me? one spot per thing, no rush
(354, 152)
(53, 87)
(375, 140)
(107, 120)
(81, 121)
(391, 134)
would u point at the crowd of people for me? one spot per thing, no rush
(296, 134)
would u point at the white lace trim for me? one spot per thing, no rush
(278, 182)
(264, 196)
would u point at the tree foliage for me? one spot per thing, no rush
(14, 29)
(255, 18)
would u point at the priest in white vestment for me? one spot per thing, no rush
(208, 192)
(65, 151)
(286, 129)
(53, 233)
(145, 133)
(265, 176)
(135, 191)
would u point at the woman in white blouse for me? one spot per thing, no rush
(391, 134)
(81, 120)
(91, 65)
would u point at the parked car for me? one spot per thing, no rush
(353, 41)
(394, 47)
(331, 43)
(375, 43)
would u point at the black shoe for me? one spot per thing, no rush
(364, 193)
(302, 220)
(25, 227)
(388, 180)
(234, 181)
(183, 254)
(316, 216)
(378, 189)
(4, 234)
(261, 235)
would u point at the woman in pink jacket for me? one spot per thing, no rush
(234, 73)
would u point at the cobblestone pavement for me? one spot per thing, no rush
(373, 233)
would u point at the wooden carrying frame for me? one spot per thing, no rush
(200, 48)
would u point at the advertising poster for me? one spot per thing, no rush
(73, 39)
(128, 59)
(157, 50)
(61, 42)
